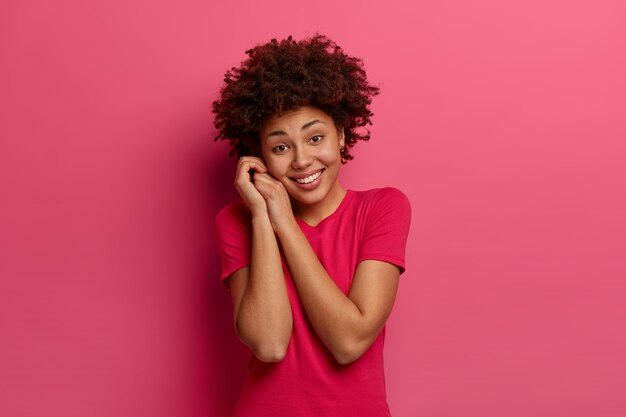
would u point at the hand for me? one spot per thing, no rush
(276, 198)
(244, 185)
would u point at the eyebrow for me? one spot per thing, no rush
(304, 127)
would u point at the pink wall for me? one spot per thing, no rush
(504, 123)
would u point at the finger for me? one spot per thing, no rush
(267, 185)
(266, 178)
(245, 170)
(252, 161)
(261, 180)
(253, 167)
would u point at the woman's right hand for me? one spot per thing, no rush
(244, 185)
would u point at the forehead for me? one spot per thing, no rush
(295, 119)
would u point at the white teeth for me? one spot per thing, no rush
(308, 179)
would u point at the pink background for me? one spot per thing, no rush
(504, 123)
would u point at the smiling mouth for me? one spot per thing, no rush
(309, 179)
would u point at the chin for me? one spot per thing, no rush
(309, 198)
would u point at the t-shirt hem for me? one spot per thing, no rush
(228, 273)
(400, 263)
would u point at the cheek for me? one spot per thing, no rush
(330, 155)
(275, 167)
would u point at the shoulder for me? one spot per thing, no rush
(233, 213)
(381, 197)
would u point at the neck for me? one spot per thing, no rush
(314, 213)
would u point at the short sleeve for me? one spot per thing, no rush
(386, 228)
(233, 229)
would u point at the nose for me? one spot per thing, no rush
(301, 158)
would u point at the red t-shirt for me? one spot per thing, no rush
(369, 224)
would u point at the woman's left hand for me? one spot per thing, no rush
(276, 198)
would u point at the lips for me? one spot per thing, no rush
(307, 178)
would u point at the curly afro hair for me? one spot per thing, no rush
(280, 76)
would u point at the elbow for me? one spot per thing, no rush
(265, 346)
(270, 353)
(349, 353)
(268, 350)
(346, 358)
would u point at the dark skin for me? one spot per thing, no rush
(347, 324)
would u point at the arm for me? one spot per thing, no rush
(261, 309)
(347, 325)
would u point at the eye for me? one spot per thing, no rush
(279, 148)
(316, 139)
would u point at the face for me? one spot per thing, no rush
(301, 150)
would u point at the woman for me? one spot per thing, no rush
(312, 268)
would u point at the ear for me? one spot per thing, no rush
(341, 134)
